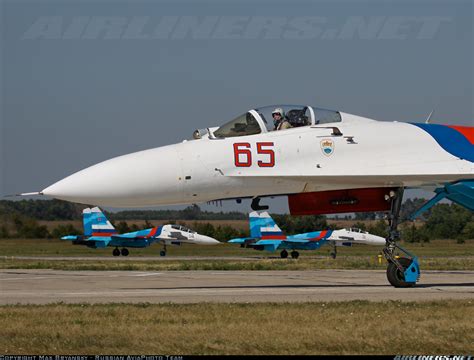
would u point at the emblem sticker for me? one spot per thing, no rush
(327, 146)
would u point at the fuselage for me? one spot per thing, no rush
(349, 237)
(353, 153)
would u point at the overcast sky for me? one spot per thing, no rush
(84, 81)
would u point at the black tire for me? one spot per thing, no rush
(295, 254)
(162, 253)
(124, 252)
(397, 278)
(284, 254)
(333, 255)
(116, 252)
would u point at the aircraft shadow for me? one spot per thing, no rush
(445, 285)
(293, 286)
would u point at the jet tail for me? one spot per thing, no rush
(96, 224)
(263, 226)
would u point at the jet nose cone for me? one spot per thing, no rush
(378, 240)
(138, 179)
(207, 240)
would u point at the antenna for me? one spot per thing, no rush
(428, 119)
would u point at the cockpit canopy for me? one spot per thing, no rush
(242, 125)
(182, 228)
(260, 120)
(357, 230)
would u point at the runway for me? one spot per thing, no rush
(50, 286)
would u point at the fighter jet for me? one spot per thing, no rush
(100, 233)
(324, 161)
(266, 235)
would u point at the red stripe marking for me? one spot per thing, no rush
(467, 131)
(104, 234)
(274, 237)
(152, 232)
(321, 235)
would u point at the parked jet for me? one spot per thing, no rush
(324, 161)
(266, 235)
(100, 233)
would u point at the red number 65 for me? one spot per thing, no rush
(245, 152)
(243, 155)
(269, 152)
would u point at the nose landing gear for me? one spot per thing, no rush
(163, 252)
(401, 271)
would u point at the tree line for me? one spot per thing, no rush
(50, 210)
(20, 219)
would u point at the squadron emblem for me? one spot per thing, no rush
(327, 146)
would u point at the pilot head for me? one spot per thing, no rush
(277, 115)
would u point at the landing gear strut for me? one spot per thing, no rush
(334, 251)
(163, 252)
(401, 271)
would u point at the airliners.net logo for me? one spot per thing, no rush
(236, 28)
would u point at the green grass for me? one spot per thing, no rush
(355, 327)
(54, 247)
(437, 255)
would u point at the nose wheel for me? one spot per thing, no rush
(398, 278)
(163, 252)
(334, 251)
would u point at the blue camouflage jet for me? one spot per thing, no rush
(100, 233)
(266, 235)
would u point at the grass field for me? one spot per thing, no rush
(437, 255)
(442, 327)
(55, 247)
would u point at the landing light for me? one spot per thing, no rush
(199, 133)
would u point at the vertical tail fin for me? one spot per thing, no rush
(263, 226)
(97, 223)
(86, 222)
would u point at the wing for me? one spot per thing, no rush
(267, 245)
(92, 242)
(301, 244)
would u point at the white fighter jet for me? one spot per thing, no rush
(100, 233)
(325, 162)
(266, 235)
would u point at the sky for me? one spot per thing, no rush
(85, 81)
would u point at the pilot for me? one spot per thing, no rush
(279, 119)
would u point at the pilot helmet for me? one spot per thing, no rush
(278, 111)
(282, 114)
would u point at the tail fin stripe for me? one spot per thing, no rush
(104, 234)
